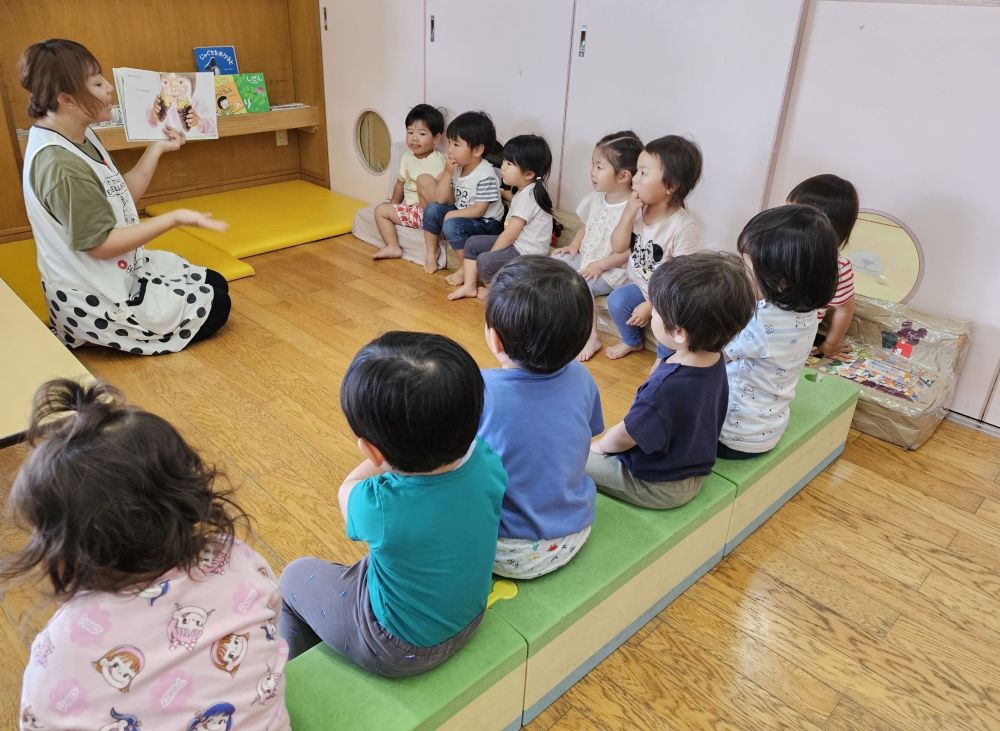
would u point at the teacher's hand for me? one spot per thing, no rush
(174, 140)
(197, 219)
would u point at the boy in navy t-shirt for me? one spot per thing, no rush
(659, 455)
(541, 410)
(426, 500)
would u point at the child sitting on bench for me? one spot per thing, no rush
(660, 454)
(426, 500)
(542, 409)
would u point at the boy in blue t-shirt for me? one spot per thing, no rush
(659, 455)
(426, 500)
(542, 409)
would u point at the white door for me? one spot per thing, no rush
(902, 100)
(992, 415)
(712, 70)
(372, 59)
(508, 59)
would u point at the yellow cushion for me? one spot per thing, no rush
(19, 270)
(201, 254)
(269, 217)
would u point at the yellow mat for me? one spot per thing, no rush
(269, 217)
(19, 269)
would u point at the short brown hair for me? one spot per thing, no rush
(708, 293)
(57, 66)
(112, 496)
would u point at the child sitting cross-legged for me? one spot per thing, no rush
(426, 500)
(542, 409)
(659, 455)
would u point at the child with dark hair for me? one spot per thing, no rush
(418, 172)
(527, 231)
(542, 409)
(612, 167)
(467, 192)
(426, 500)
(792, 252)
(139, 544)
(655, 226)
(838, 199)
(659, 455)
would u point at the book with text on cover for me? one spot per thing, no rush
(219, 60)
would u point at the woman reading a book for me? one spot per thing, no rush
(101, 285)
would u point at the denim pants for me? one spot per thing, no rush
(457, 230)
(621, 303)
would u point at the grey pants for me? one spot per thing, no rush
(488, 262)
(614, 479)
(328, 602)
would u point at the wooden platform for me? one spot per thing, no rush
(871, 600)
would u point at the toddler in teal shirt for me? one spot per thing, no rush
(426, 500)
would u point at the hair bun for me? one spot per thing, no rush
(59, 399)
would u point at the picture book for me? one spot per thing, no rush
(227, 97)
(219, 60)
(253, 90)
(151, 101)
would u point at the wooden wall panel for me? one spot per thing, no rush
(13, 220)
(307, 65)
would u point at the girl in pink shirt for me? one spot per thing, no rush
(166, 619)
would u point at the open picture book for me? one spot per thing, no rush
(151, 101)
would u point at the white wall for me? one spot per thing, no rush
(904, 100)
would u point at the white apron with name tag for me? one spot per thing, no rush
(144, 302)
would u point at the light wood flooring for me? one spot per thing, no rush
(870, 601)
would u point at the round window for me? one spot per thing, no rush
(371, 137)
(887, 259)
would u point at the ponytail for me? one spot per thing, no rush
(532, 153)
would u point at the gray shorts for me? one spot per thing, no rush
(328, 602)
(614, 479)
(488, 262)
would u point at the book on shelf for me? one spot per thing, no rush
(253, 89)
(219, 60)
(151, 101)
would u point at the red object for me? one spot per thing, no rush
(903, 348)
(553, 547)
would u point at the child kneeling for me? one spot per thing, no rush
(660, 454)
(426, 500)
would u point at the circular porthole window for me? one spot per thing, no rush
(886, 256)
(371, 138)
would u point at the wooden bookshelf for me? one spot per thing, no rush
(306, 119)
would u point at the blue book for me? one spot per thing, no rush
(220, 60)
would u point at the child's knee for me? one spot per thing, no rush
(426, 185)
(453, 230)
(384, 210)
(434, 217)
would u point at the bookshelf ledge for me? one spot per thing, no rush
(303, 118)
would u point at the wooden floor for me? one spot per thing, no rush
(870, 601)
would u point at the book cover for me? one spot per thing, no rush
(227, 97)
(219, 60)
(151, 101)
(253, 90)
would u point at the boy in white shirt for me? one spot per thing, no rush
(418, 172)
(467, 193)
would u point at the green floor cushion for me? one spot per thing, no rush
(481, 687)
(821, 414)
(634, 563)
(269, 217)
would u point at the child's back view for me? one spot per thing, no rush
(792, 251)
(167, 621)
(427, 502)
(542, 409)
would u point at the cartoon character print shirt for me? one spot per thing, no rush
(654, 243)
(198, 652)
(763, 369)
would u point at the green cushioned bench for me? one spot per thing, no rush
(635, 562)
(269, 217)
(481, 687)
(821, 414)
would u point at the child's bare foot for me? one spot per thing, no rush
(389, 252)
(621, 350)
(456, 279)
(431, 266)
(590, 349)
(463, 291)
(482, 292)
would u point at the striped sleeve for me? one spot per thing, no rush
(845, 284)
(488, 189)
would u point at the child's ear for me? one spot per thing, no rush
(371, 452)
(494, 342)
(437, 139)
(479, 150)
(624, 176)
(671, 190)
(680, 335)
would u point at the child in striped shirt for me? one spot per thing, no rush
(838, 199)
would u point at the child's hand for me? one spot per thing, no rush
(595, 447)
(592, 271)
(641, 315)
(567, 251)
(197, 219)
(158, 107)
(192, 118)
(450, 166)
(840, 351)
(634, 204)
